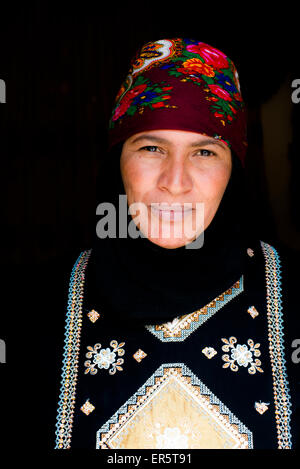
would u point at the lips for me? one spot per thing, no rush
(171, 213)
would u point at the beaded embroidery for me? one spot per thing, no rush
(253, 311)
(87, 407)
(104, 358)
(93, 315)
(71, 352)
(183, 407)
(276, 346)
(209, 352)
(241, 355)
(261, 407)
(139, 355)
(180, 328)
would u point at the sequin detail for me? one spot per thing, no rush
(209, 352)
(261, 407)
(93, 315)
(253, 311)
(87, 407)
(139, 355)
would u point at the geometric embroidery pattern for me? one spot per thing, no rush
(180, 328)
(173, 409)
(64, 420)
(276, 346)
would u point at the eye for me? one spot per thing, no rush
(150, 148)
(207, 153)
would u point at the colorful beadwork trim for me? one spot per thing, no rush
(180, 328)
(172, 380)
(276, 346)
(71, 351)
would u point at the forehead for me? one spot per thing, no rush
(176, 137)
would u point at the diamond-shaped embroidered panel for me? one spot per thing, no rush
(173, 409)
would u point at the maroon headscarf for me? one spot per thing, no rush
(181, 84)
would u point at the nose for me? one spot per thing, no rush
(175, 177)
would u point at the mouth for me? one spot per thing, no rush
(171, 213)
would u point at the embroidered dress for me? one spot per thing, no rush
(175, 396)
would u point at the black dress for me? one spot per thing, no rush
(220, 376)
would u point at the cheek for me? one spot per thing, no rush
(212, 185)
(137, 181)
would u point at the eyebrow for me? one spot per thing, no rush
(207, 141)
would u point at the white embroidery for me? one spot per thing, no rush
(105, 358)
(172, 438)
(209, 352)
(242, 355)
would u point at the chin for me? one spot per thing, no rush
(171, 243)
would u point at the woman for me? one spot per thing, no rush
(177, 328)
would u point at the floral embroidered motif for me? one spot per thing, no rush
(209, 352)
(139, 355)
(87, 407)
(104, 358)
(202, 64)
(187, 60)
(253, 311)
(93, 315)
(172, 438)
(242, 355)
(261, 407)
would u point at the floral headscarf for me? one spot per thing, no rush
(181, 84)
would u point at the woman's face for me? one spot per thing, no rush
(177, 179)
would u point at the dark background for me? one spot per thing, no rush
(63, 64)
